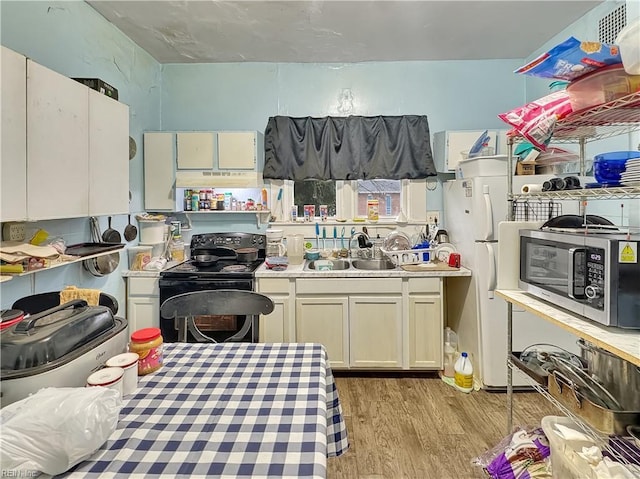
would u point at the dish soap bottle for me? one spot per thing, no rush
(463, 376)
(450, 349)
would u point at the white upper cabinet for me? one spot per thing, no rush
(159, 171)
(13, 97)
(57, 145)
(447, 146)
(239, 150)
(195, 150)
(108, 155)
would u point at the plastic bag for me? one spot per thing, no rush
(56, 428)
(536, 121)
(523, 454)
(571, 59)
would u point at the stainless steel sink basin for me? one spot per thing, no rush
(373, 264)
(338, 264)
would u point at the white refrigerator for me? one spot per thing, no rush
(473, 209)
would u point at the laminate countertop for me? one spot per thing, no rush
(299, 271)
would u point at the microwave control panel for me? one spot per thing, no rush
(594, 290)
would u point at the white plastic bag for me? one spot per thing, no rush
(56, 428)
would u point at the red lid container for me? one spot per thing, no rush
(145, 335)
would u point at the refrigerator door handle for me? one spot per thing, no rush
(488, 214)
(492, 270)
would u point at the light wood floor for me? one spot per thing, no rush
(420, 427)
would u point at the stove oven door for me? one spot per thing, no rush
(217, 327)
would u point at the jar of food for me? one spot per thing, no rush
(110, 377)
(147, 343)
(177, 250)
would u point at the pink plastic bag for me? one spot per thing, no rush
(536, 121)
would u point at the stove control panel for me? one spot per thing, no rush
(227, 240)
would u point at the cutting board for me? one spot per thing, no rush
(422, 267)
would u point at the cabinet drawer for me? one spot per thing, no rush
(424, 285)
(271, 285)
(144, 287)
(348, 285)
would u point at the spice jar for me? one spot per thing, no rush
(147, 343)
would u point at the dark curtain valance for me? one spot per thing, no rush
(348, 148)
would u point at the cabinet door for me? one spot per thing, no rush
(324, 320)
(237, 150)
(108, 155)
(274, 327)
(159, 172)
(447, 146)
(143, 312)
(425, 332)
(195, 150)
(375, 331)
(57, 145)
(13, 96)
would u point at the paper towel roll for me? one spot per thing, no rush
(531, 188)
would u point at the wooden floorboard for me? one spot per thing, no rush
(419, 427)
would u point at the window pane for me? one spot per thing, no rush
(315, 192)
(387, 192)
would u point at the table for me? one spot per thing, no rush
(227, 410)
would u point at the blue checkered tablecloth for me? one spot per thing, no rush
(227, 410)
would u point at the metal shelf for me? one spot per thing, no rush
(610, 119)
(625, 192)
(602, 440)
(62, 263)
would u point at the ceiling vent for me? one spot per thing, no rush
(611, 24)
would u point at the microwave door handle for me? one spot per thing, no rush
(571, 272)
(488, 214)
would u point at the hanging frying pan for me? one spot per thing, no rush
(110, 235)
(130, 231)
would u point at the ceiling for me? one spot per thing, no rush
(316, 31)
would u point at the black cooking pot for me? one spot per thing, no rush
(247, 255)
(205, 259)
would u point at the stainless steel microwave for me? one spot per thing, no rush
(594, 275)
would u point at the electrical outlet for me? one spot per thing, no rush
(433, 217)
(13, 232)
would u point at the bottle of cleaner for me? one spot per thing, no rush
(463, 376)
(450, 349)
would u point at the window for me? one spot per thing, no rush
(315, 192)
(387, 192)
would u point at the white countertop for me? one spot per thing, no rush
(148, 274)
(624, 343)
(298, 271)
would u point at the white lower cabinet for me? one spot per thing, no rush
(425, 332)
(325, 319)
(276, 327)
(143, 303)
(364, 323)
(375, 331)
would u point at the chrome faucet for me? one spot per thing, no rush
(355, 235)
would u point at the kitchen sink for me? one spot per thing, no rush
(338, 264)
(373, 264)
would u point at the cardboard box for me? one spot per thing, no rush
(526, 168)
(99, 86)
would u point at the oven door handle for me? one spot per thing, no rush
(571, 273)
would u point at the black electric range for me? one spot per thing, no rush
(226, 273)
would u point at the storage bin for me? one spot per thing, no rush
(484, 166)
(565, 461)
(601, 86)
(629, 42)
(139, 256)
(151, 231)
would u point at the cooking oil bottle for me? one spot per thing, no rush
(463, 376)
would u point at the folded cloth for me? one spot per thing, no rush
(91, 296)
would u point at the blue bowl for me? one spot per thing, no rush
(608, 166)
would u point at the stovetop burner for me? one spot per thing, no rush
(235, 268)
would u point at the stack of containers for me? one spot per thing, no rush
(153, 233)
(610, 168)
